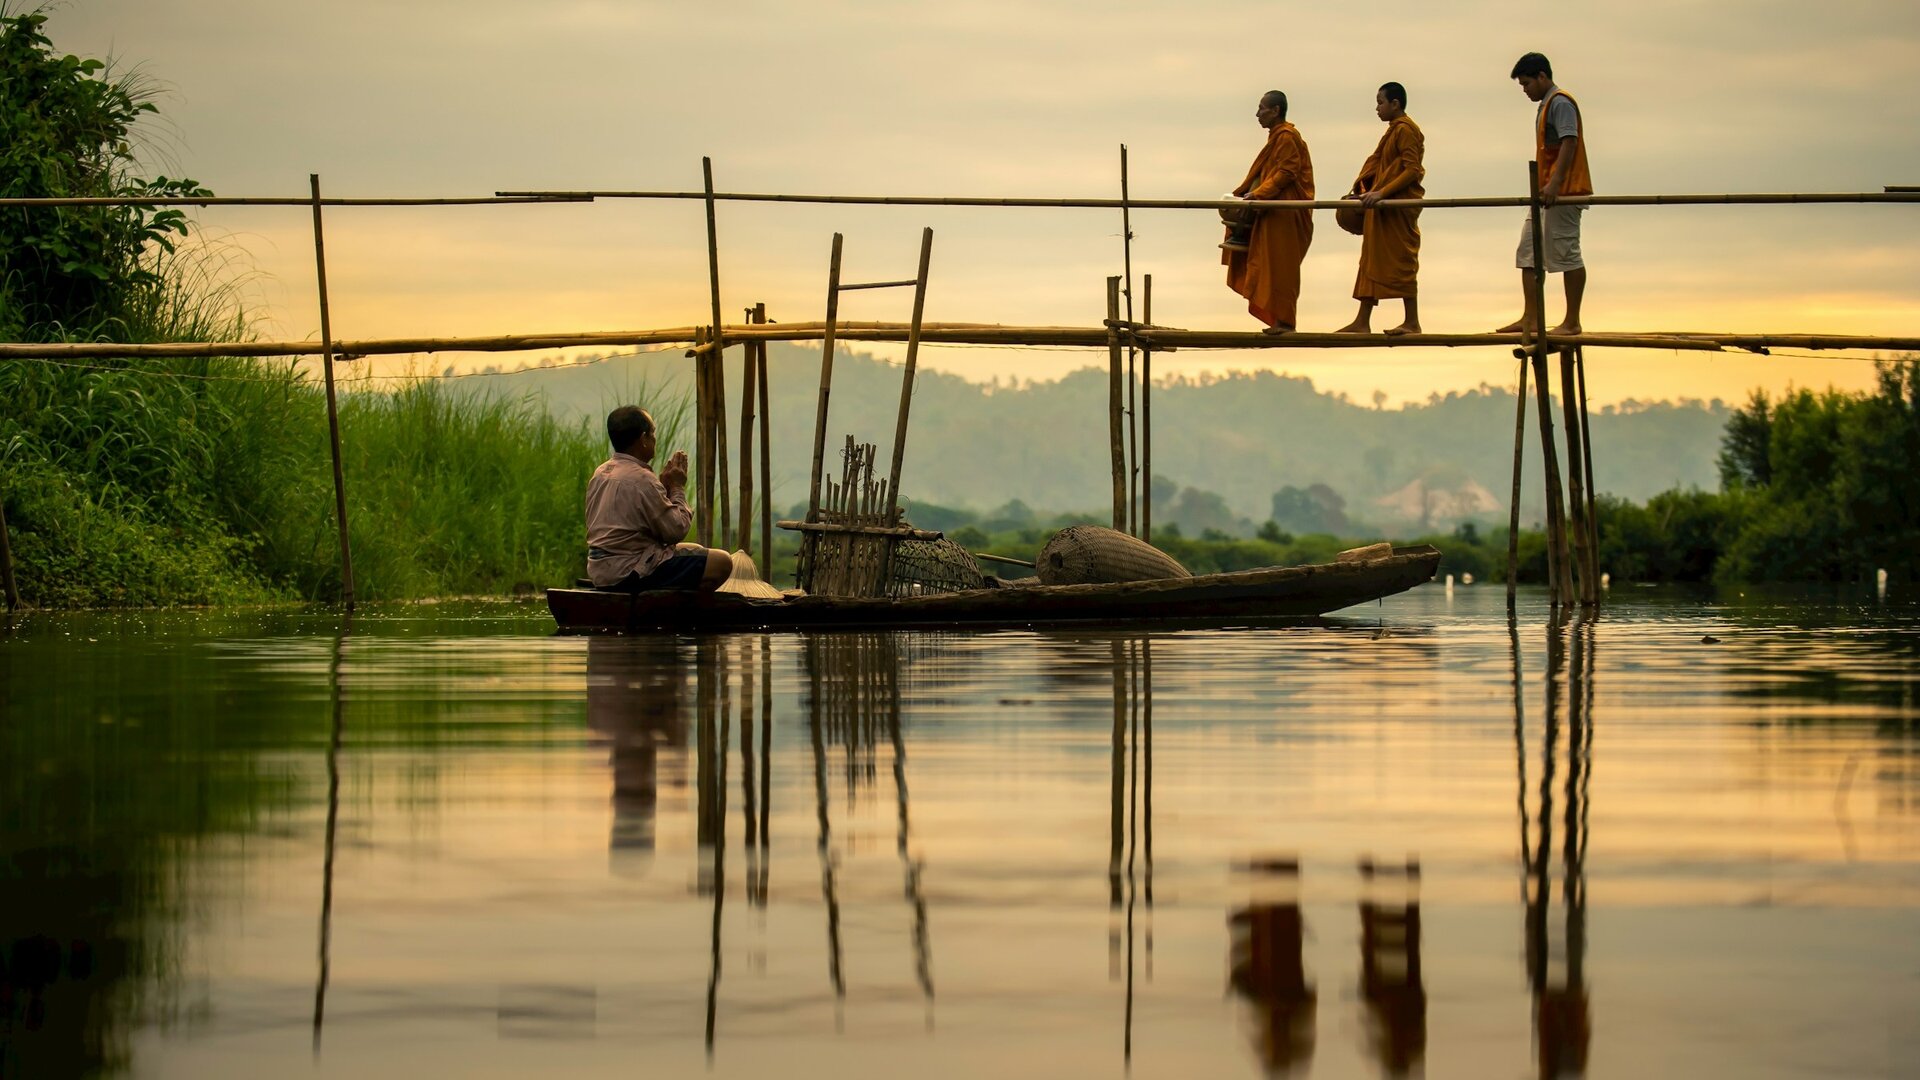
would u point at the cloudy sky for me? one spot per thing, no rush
(1034, 98)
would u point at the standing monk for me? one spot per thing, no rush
(1390, 246)
(1264, 267)
(1560, 146)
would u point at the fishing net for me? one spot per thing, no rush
(932, 566)
(1090, 554)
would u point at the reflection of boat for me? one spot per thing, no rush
(1277, 593)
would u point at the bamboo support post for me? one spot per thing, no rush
(1586, 449)
(1558, 572)
(6, 560)
(826, 381)
(717, 372)
(906, 381)
(1133, 417)
(745, 542)
(333, 408)
(1578, 537)
(716, 377)
(702, 442)
(1519, 455)
(766, 448)
(1116, 451)
(1146, 416)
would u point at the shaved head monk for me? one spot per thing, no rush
(1560, 146)
(1264, 248)
(1390, 244)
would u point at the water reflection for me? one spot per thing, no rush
(541, 853)
(1556, 948)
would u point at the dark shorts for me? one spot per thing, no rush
(682, 571)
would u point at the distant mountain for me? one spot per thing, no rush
(1243, 435)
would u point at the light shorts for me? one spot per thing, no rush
(1562, 227)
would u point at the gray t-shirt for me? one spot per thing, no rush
(1563, 118)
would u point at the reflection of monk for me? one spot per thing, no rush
(633, 704)
(1390, 980)
(1264, 248)
(1268, 970)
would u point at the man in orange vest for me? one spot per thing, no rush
(1560, 146)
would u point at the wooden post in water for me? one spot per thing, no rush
(1116, 450)
(1519, 453)
(1576, 478)
(716, 373)
(1586, 450)
(766, 450)
(1560, 581)
(826, 381)
(6, 560)
(906, 381)
(702, 442)
(746, 444)
(333, 408)
(1146, 416)
(1133, 417)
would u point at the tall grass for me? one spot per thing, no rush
(208, 482)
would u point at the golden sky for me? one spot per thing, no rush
(1034, 98)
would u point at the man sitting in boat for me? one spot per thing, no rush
(636, 519)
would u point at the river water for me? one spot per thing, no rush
(1681, 839)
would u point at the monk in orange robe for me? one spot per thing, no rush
(1390, 246)
(1266, 270)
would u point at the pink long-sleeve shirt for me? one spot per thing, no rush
(633, 520)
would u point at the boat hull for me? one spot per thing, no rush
(1243, 597)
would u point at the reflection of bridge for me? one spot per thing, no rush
(646, 694)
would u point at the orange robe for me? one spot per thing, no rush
(1268, 272)
(1390, 247)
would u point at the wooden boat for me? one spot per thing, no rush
(1244, 597)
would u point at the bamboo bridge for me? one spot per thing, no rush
(1572, 531)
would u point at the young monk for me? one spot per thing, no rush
(1560, 146)
(1266, 270)
(1390, 246)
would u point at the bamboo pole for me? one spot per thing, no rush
(1576, 478)
(6, 560)
(1557, 570)
(826, 381)
(1116, 451)
(1475, 202)
(259, 200)
(702, 451)
(717, 369)
(746, 443)
(1586, 449)
(1145, 486)
(1519, 454)
(766, 449)
(718, 373)
(1163, 338)
(1891, 194)
(1133, 417)
(906, 381)
(333, 408)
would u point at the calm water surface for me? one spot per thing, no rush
(1414, 839)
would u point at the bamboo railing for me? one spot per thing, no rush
(1130, 450)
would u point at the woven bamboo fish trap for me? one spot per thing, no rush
(1092, 554)
(932, 566)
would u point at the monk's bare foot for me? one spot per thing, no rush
(1404, 328)
(1278, 328)
(1566, 328)
(1517, 326)
(1357, 326)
